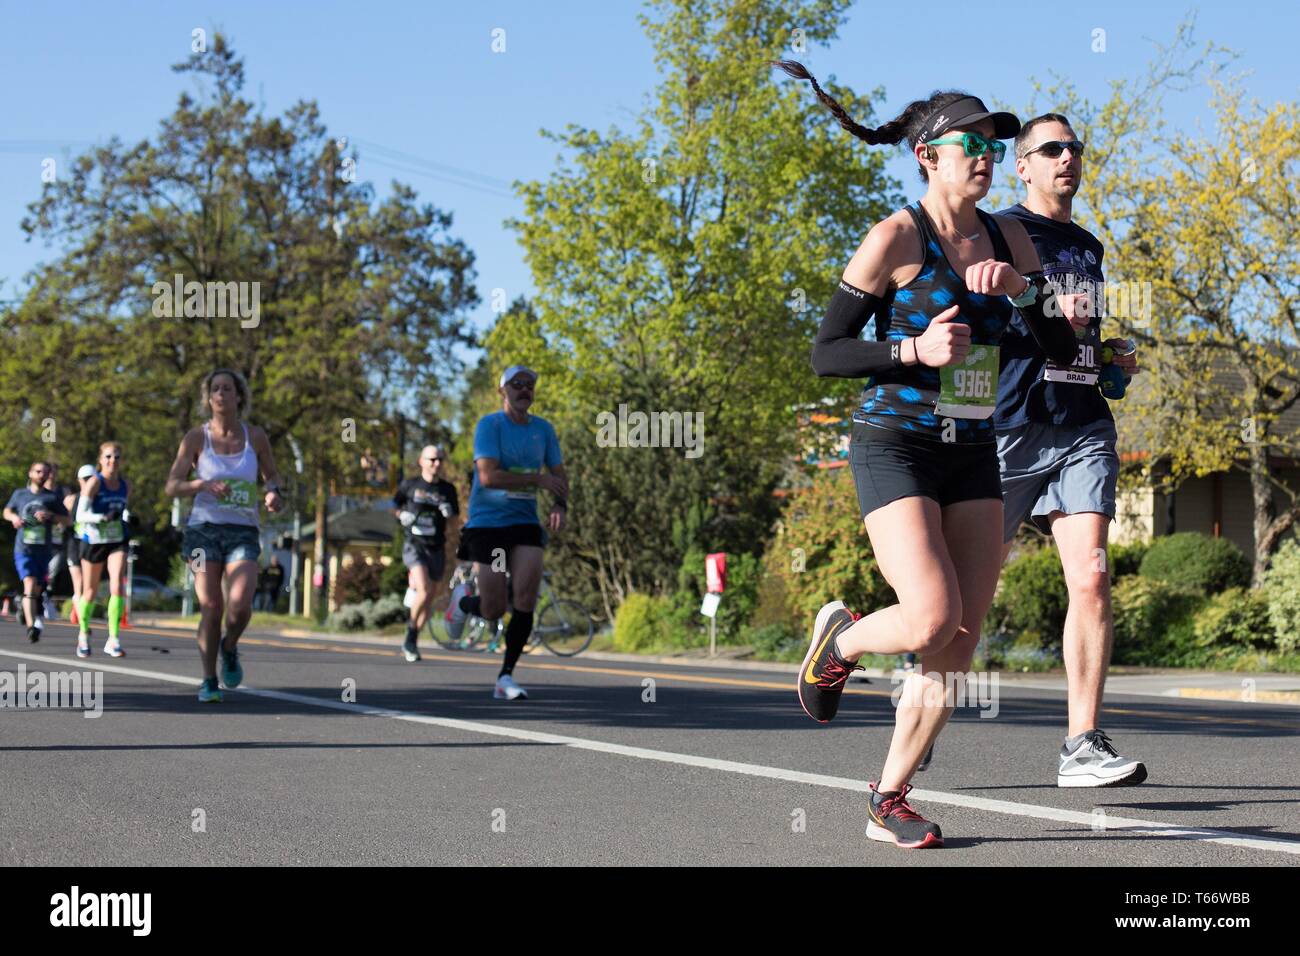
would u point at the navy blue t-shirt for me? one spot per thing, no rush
(1030, 388)
(34, 534)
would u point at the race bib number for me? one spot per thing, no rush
(33, 534)
(969, 389)
(523, 494)
(1085, 368)
(110, 532)
(239, 494)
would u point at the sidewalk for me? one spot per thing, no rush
(1145, 682)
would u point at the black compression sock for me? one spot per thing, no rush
(517, 631)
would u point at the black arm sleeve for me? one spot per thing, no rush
(837, 350)
(1049, 327)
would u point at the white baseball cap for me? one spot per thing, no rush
(86, 471)
(514, 370)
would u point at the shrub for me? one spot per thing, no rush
(349, 617)
(776, 642)
(1233, 621)
(1032, 600)
(1196, 562)
(1281, 589)
(640, 623)
(1153, 622)
(358, 582)
(389, 609)
(821, 553)
(1125, 559)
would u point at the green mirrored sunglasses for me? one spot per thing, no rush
(974, 144)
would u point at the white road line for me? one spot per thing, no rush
(1033, 811)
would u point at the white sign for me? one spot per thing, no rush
(710, 606)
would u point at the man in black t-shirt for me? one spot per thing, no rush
(423, 505)
(35, 512)
(1056, 440)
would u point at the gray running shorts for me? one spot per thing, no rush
(1065, 468)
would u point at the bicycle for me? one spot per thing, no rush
(562, 626)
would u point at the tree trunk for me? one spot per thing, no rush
(320, 591)
(1262, 494)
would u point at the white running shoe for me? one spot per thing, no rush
(455, 616)
(113, 648)
(1093, 762)
(507, 689)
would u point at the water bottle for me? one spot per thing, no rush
(1113, 381)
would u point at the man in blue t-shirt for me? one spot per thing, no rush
(1056, 440)
(35, 512)
(511, 447)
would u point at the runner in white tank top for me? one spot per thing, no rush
(221, 536)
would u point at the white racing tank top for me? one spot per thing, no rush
(239, 472)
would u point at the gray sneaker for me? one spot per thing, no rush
(1093, 762)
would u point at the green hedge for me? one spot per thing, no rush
(1153, 622)
(1281, 588)
(1196, 562)
(1032, 600)
(641, 623)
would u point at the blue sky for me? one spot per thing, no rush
(420, 79)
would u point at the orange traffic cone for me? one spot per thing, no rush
(72, 615)
(126, 623)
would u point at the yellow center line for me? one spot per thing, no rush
(486, 661)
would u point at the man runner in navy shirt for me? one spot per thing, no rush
(1056, 440)
(34, 511)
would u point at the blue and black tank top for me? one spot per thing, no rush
(905, 399)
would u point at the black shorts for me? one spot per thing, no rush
(434, 560)
(98, 553)
(482, 544)
(888, 465)
(73, 548)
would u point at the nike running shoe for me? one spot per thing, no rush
(232, 672)
(507, 689)
(209, 692)
(894, 821)
(824, 672)
(113, 648)
(1094, 762)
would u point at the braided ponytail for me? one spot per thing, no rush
(906, 126)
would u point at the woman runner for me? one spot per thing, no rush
(101, 513)
(939, 277)
(221, 536)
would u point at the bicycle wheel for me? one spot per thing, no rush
(469, 636)
(564, 627)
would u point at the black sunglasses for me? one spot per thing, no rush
(1055, 147)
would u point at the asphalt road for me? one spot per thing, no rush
(721, 767)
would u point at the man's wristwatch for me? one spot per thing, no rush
(1027, 297)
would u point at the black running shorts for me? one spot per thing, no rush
(888, 465)
(483, 544)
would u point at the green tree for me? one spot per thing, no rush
(681, 266)
(359, 301)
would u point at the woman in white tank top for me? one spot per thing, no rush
(221, 544)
